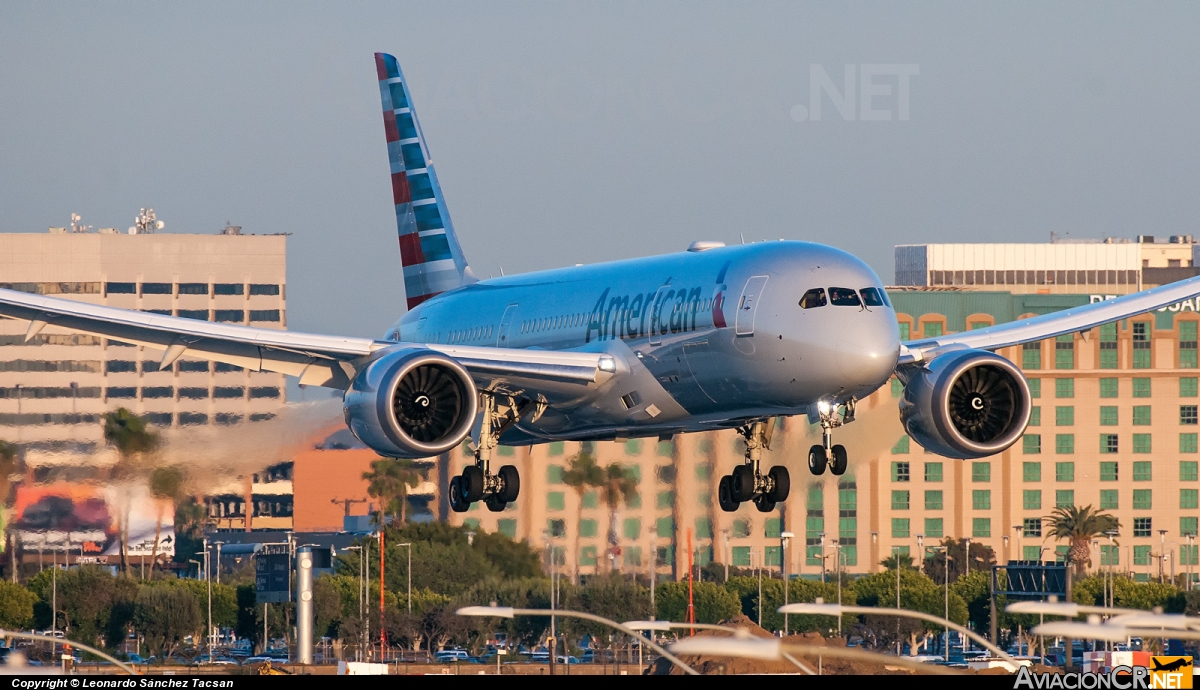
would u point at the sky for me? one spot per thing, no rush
(571, 133)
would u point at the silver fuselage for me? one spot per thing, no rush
(712, 338)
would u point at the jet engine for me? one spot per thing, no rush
(411, 403)
(965, 404)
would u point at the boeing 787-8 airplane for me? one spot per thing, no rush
(709, 338)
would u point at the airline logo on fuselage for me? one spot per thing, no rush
(665, 310)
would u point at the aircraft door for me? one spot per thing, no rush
(748, 305)
(505, 322)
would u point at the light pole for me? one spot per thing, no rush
(874, 551)
(208, 581)
(358, 650)
(408, 545)
(1020, 530)
(896, 562)
(728, 556)
(967, 560)
(1162, 552)
(784, 537)
(821, 544)
(1007, 555)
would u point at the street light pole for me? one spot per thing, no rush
(1162, 552)
(783, 560)
(725, 534)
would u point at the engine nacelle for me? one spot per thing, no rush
(966, 404)
(411, 403)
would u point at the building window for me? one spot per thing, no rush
(228, 289)
(1141, 471)
(555, 500)
(1064, 415)
(1064, 388)
(634, 446)
(901, 447)
(1032, 499)
(1031, 471)
(664, 527)
(1032, 527)
(1108, 415)
(1110, 554)
(1141, 345)
(190, 366)
(1031, 444)
(1108, 346)
(932, 329)
(1064, 498)
(741, 556)
(1064, 471)
(1189, 499)
(664, 499)
(263, 289)
(1187, 414)
(900, 528)
(1142, 527)
(120, 288)
(1108, 471)
(1187, 525)
(156, 288)
(193, 393)
(1141, 499)
(223, 368)
(1141, 443)
(114, 366)
(1035, 388)
(1188, 470)
(1031, 356)
(1188, 387)
(1187, 345)
(741, 529)
(264, 392)
(229, 315)
(193, 288)
(899, 500)
(933, 500)
(264, 315)
(587, 555)
(933, 528)
(981, 499)
(1141, 554)
(981, 527)
(192, 418)
(1108, 388)
(1108, 499)
(981, 471)
(1141, 388)
(1064, 352)
(900, 471)
(1141, 415)
(1108, 444)
(1064, 444)
(905, 330)
(1035, 415)
(933, 472)
(158, 392)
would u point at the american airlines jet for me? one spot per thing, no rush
(714, 337)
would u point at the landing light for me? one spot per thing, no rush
(823, 407)
(608, 364)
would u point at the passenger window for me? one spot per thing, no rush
(844, 297)
(871, 297)
(812, 299)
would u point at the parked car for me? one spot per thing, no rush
(445, 656)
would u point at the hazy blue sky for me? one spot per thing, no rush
(568, 133)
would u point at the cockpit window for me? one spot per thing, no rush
(844, 297)
(812, 299)
(872, 297)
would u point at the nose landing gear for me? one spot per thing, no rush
(476, 481)
(829, 454)
(747, 483)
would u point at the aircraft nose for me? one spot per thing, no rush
(867, 348)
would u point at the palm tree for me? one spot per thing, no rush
(619, 485)
(389, 481)
(582, 473)
(8, 464)
(905, 560)
(129, 434)
(1079, 526)
(166, 485)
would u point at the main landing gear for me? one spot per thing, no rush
(476, 481)
(828, 454)
(747, 482)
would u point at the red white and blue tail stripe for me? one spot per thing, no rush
(433, 260)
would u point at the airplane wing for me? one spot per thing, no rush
(1075, 319)
(319, 360)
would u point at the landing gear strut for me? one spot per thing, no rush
(828, 454)
(477, 481)
(747, 483)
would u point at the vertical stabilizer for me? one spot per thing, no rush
(433, 260)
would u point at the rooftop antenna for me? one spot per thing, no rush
(76, 226)
(146, 223)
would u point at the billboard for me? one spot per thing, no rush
(82, 520)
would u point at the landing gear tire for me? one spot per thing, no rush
(742, 483)
(458, 501)
(511, 479)
(725, 496)
(840, 461)
(817, 460)
(495, 503)
(781, 483)
(764, 503)
(472, 482)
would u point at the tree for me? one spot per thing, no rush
(1079, 526)
(982, 558)
(620, 484)
(190, 521)
(16, 606)
(905, 560)
(166, 485)
(8, 463)
(133, 440)
(582, 473)
(712, 603)
(165, 616)
(389, 481)
(93, 606)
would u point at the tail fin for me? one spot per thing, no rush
(433, 260)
